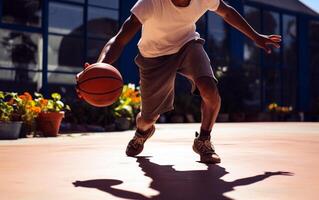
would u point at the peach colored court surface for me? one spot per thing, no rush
(277, 161)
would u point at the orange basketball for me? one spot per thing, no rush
(99, 84)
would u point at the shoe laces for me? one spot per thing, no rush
(206, 146)
(137, 141)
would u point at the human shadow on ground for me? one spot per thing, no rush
(184, 185)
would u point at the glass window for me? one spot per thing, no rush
(61, 78)
(59, 12)
(65, 53)
(76, 1)
(24, 12)
(272, 86)
(271, 24)
(251, 67)
(251, 51)
(105, 3)
(94, 49)
(22, 51)
(217, 40)
(19, 76)
(290, 59)
(201, 26)
(102, 23)
(314, 64)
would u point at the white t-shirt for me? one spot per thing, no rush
(166, 27)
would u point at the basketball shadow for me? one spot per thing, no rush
(172, 184)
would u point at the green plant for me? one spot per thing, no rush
(6, 110)
(51, 105)
(128, 104)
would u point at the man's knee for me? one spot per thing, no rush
(208, 91)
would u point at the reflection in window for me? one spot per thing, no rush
(24, 12)
(314, 64)
(251, 51)
(11, 77)
(271, 25)
(76, 1)
(290, 58)
(272, 73)
(65, 53)
(105, 3)
(59, 12)
(21, 51)
(272, 86)
(217, 41)
(102, 23)
(94, 49)
(251, 65)
(201, 26)
(60, 78)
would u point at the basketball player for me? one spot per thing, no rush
(170, 44)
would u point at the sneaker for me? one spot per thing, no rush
(206, 151)
(136, 145)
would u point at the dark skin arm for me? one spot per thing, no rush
(232, 17)
(114, 47)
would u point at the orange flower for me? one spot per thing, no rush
(43, 102)
(23, 97)
(136, 99)
(28, 107)
(36, 109)
(28, 96)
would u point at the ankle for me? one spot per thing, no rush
(144, 131)
(204, 134)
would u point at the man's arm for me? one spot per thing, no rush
(114, 47)
(231, 16)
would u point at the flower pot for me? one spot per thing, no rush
(10, 130)
(123, 124)
(49, 123)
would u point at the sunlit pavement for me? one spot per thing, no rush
(259, 161)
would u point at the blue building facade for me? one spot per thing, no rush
(45, 43)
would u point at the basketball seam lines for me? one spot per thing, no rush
(96, 93)
(98, 77)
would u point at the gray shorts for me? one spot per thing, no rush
(157, 76)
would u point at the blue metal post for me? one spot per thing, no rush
(304, 69)
(45, 25)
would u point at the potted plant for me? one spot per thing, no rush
(25, 110)
(9, 129)
(51, 115)
(127, 107)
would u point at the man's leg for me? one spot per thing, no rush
(210, 102)
(143, 125)
(145, 130)
(210, 107)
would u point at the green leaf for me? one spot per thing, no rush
(67, 107)
(60, 104)
(56, 96)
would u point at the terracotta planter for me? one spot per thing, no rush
(10, 130)
(49, 123)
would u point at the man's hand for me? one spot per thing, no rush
(231, 16)
(86, 65)
(266, 42)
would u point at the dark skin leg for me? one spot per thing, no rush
(210, 101)
(145, 124)
(210, 106)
